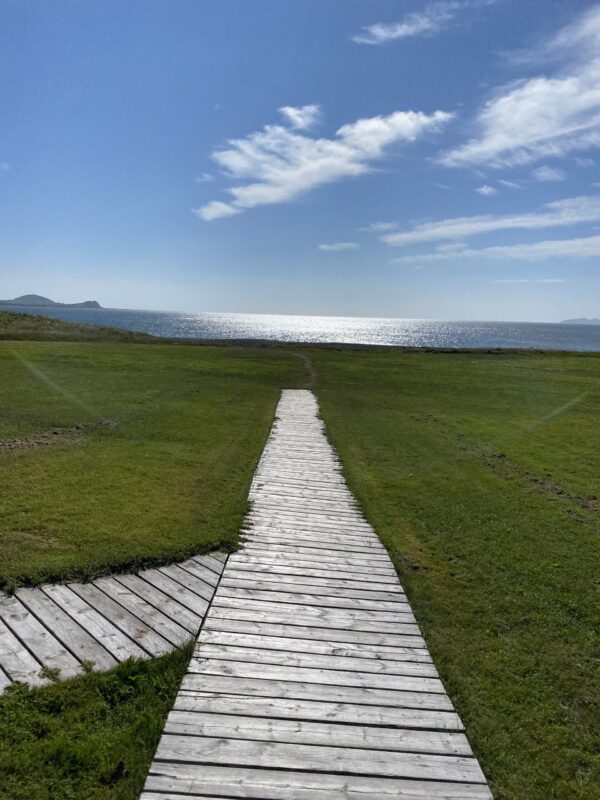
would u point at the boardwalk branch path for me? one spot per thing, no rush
(310, 679)
(64, 629)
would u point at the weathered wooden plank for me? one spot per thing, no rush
(323, 551)
(72, 635)
(175, 590)
(327, 556)
(318, 711)
(309, 610)
(215, 665)
(251, 565)
(310, 500)
(131, 625)
(310, 515)
(323, 567)
(323, 478)
(286, 520)
(37, 639)
(288, 615)
(321, 600)
(191, 582)
(303, 488)
(201, 571)
(364, 737)
(346, 546)
(306, 512)
(165, 626)
(296, 689)
(334, 662)
(348, 761)
(409, 636)
(163, 602)
(216, 554)
(17, 662)
(290, 534)
(96, 625)
(332, 587)
(364, 652)
(287, 530)
(194, 780)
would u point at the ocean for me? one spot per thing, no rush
(341, 330)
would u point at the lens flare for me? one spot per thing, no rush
(558, 412)
(41, 377)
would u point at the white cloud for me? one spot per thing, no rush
(585, 247)
(419, 23)
(486, 190)
(584, 162)
(335, 246)
(547, 174)
(545, 116)
(301, 118)
(510, 184)
(206, 177)
(571, 211)
(216, 209)
(282, 163)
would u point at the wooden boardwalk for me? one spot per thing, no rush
(310, 679)
(74, 626)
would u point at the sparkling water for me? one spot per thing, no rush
(341, 330)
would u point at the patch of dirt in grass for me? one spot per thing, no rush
(541, 484)
(76, 434)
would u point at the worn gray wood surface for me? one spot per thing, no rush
(58, 631)
(311, 679)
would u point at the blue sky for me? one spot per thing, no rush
(403, 159)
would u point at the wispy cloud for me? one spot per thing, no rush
(486, 190)
(335, 246)
(420, 23)
(206, 177)
(545, 116)
(571, 211)
(379, 227)
(216, 209)
(301, 118)
(530, 280)
(584, 247)
(282, 163)
(451, 247)
(510, 184)
(584, 161)
(434, 18)
(547, 174)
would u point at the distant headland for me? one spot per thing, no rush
(581, 321)
(38, 301)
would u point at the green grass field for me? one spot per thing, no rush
(160, 467)
(480, 472)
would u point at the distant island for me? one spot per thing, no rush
(580, 321)
(44, 302)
